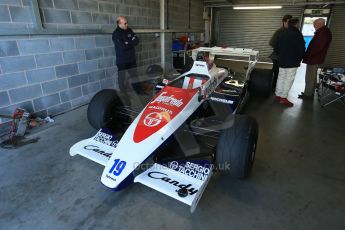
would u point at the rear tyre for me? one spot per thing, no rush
(236, 147)
(261, 81)
(101, 112)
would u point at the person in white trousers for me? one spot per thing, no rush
(285, 80)
(290, 50)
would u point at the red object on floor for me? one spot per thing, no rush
(285, 101)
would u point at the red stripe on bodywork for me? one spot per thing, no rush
(190, 83)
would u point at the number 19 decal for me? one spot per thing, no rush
(117, 167)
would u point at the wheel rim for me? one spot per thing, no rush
(116, 119)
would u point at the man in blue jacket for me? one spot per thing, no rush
(290, 50)
(273, 41)
(125, 41)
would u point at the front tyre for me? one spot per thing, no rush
(236, 147)
(102, 110)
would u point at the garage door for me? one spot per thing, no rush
(249, 28)
(336, 52)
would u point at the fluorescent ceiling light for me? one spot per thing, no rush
(256, 7)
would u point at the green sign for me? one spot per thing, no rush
(317, 12)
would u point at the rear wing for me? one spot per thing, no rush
(248, 55)
(234, 52)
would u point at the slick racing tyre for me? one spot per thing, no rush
(260, 82)
(103, 108)
(236, 147)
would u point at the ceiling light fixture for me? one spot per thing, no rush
(256, 7)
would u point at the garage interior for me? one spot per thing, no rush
(55, 55)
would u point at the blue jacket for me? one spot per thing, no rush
(125, 41)
(290, 48)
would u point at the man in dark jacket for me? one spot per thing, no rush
(315, 55)
(290, 51)
(272, 42)
(125, 40)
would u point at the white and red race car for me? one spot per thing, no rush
(186, 132)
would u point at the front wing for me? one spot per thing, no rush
(184, 181)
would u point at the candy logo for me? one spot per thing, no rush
(152, 119)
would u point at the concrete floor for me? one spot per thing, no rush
(298, 180)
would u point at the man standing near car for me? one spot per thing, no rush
(290, 51)
(273, 41)
(125, 41)
(315, 55)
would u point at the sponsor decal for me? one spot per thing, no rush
(200, 65)
(190, 169)
(211, 87)
(152, 119)
(170, 100)
(109, 177)
(161, 110)
(173, 165)
(97, 149)
(223, 100)
(164, 177)
(166, 116)
(106, 139)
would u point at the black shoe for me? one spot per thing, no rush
(303, 96)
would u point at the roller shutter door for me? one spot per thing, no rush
(336, 52)
(249, 28)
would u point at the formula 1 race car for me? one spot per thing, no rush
(190, 129)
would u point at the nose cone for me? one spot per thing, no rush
(161, 110)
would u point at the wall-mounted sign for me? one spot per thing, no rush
(316, 12)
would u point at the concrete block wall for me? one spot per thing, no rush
(178, 17)
(47, 75)
(99, 14)
(197, 8)
(50, 75)
(15, 14)
(148, 50)
(178, 14)
(80, 13)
